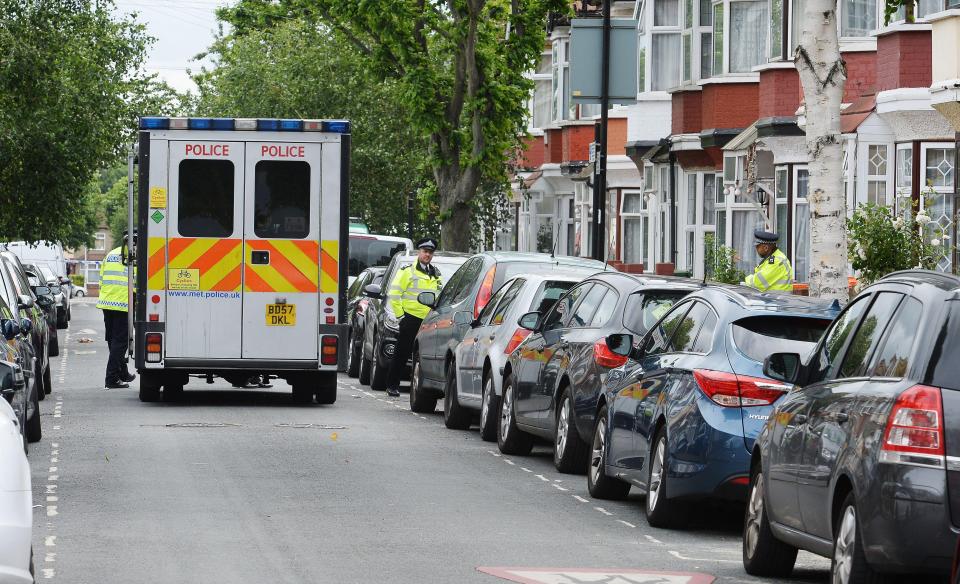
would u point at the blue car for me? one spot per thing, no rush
(679, 419)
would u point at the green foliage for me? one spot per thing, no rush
(297, 70)
(879, 242)
(78, 280)
(720, 262)
(67, 87)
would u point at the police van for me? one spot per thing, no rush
(241, 226)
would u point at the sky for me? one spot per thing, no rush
(182, 28)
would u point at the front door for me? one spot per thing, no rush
(204, 243)
(281, 252)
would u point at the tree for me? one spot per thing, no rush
(460, 66)
(67, 71)
(295, 69)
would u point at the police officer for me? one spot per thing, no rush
(113, 303)
(420, 276)
(773, 273)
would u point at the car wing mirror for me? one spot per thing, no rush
(8, 380)
(64, 280)
(9, 329)
(372, 291)
(25, 301)
(42, 290)
(782, 367)
(460, 317)
(430, 299)
(620, 343)
(26, 326)
(54, 289)
(530, 321)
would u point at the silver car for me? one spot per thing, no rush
(481, 355)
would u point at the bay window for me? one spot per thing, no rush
(636, 222)
(665, 61)
(877, 174)
(748, 34)
(858, 18)
(560, 83)
(776, 29)
(540, 107)
(801, 226)
(937, 161)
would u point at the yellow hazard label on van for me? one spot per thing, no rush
(183, 279)
(158, 198)
(281, 314)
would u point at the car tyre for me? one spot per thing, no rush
(661, 511)
(849, 563)
(364, 374)
(455, 416)
(53, 346)
(47, 383)
(419, 401)
(378, 374)
(489, 408)
(510, 438)
(569, 451)
(353, 358)
(599, 484)
(763, 553)
(61, 319)
(33, 431)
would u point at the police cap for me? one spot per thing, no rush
(762, 236)
(427, 243)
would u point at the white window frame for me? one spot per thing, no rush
(867, 177)
(535, 77)
(99, 241)
(647, 42)
(625, 216)
(559, 69)
(728, 38)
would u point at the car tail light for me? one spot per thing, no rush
(485, 292)
(604, 357)
(914, 433)
(154, 347)
(732, 390)
(518, 336)
(328, 350)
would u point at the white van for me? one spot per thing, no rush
(368, 250)
(44, 253)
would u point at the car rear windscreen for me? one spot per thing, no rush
(944, 370)
(366, 252)
(760, 336)
(548, 294)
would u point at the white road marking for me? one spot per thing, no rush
(653, 539)
(50, 557)
(604, 511)
(51, 510)
(558, 487)
(680, 556)
(52, 499)
(497, 454)
(48, 573)
(56, 427)
(581, 499)
(54, 445)
(50, 541)
(510, 462)
(627, 523)
(542, 478)
(53, 478)
(52, 469)
(54, 459)
(525, 469)
(51, 488)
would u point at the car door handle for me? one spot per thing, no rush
(491, 337)
(841, 417)
(800, 418)
(475, 339)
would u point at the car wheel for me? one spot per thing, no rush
(489, 408)
(149, 388)
(353, 358)
(69, 314)
(510, 439)
(455, 416)
(80, 294)
(47, 383)
(569, 451)
(61, 319)
(53, 346)
(364, 375)
(33, 430)
(763, 554)
(849, 564)
(599, 483)
(661, 511)
(419, 402)
(326, 393)
(378, 374)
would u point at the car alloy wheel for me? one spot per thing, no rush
(656, 476)
(845, 546)
(486, 403)
(751, 535)
(506, 412)
(562, 429)
(599, 451)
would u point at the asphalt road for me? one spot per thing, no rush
(238, 486)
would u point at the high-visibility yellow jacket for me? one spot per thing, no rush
(113, 283)
(407, 285)
(772, 274)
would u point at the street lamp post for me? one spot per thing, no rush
(600, 182)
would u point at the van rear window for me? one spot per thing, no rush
(205, 198)
(759, 336)
(282, 199)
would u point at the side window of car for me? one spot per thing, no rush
(507, 302)
(452, 287)
(868, 334)
(658, 339)
(891, 359)
(560, 312)
(689, 328)
(487, 312)
(584, 311)
(607, 307)
(705, 337)
(470, 276)
(836, 338)
(357, 285)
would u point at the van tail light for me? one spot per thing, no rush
(914, 433)
(604, 357)
(734, 391)
(154, 347)
(485, 292)
(328, 350)
(518, 336)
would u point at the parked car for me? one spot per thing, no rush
(859, 462)
(467, 293)
(680, 419)
(556, 376)
(47, 302)
(357, 303)
(60, 293)
(15, 354)
(16, 496)
(481, 356)
(367, 250)
(381, 325)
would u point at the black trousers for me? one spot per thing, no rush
(115, 323)
(409, 325)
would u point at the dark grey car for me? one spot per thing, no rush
(860, 462)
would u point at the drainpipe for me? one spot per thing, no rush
(673, 209)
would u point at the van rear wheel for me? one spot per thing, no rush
(149, 387)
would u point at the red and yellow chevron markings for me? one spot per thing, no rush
(218, 261)
(293, 266)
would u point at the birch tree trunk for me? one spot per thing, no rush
(823, 75)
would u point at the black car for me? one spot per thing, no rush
(357, 303)
(381, 325)
(463, 298)
(16, 360)
(860, 462)
(555, 377)
(47, 302)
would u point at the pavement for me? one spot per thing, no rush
(237, 486)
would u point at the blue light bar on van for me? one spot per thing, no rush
(263, 124)
(280, 125)
(336, 126)
(154, 123)
(210, 123)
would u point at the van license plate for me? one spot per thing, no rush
(281, 314)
